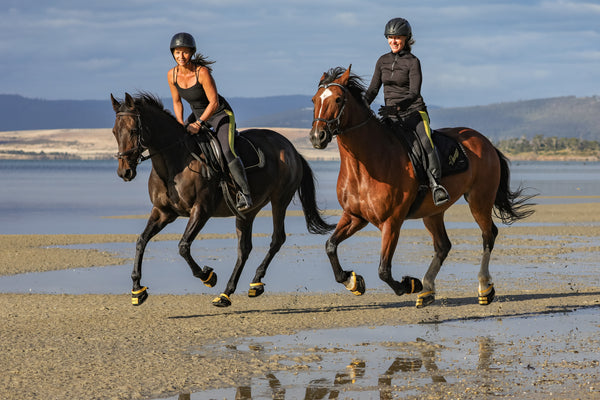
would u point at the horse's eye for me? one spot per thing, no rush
(338, 100)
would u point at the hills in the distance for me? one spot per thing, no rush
(560, 116)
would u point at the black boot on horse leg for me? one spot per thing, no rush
(434, 172)
(238, 172)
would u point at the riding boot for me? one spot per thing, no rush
(238, 172)
(434, 171)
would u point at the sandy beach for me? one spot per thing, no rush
(100, 346)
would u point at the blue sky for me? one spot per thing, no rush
(472, 52)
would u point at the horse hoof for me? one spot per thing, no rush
(212, 277)
(356, 284)
(487, 296)
(256, 289)
(425, 299)
(139, 296)
(413, 285)
(221, 301)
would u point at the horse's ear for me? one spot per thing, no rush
(323, 77)
(116, 105)
(345, 76)
(129, 101)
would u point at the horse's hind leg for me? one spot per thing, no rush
(277, 240)
(155, 224)
(486, 287)
(489, 231)
(244, 232)
(347, 226)
(441, 245)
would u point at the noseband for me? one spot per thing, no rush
(333, 125)
(137, 133)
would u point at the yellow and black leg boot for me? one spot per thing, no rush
(238, 172)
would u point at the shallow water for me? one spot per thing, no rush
(410, 360)
(72, 197)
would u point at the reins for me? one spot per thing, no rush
(140, 147)
(329, 123)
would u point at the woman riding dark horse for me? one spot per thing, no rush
(178, 187)
(377, 184)
(191, 80)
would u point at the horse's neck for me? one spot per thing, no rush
(368, 143)
(165, 142)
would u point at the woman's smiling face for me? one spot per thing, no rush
(182, 55)
(396, 42)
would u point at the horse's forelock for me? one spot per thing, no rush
(355, 83)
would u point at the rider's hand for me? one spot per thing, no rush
(193, 128)
(387, 111)
(196, 126)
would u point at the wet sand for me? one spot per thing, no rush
(99, 346)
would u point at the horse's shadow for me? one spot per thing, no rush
(441, 304)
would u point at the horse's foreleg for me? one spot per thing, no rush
(195, 223)
(244, 232)
(390, 231)
(441, 245)
(277, 240)
(347, 226)
(155, 224)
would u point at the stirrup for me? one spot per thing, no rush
(243, 202)
(440, 195)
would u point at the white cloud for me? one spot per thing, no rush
(471, 52)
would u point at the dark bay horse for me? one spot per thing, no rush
(377, 185)
(178, 188)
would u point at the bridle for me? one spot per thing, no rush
(137, 133)
(333, 125)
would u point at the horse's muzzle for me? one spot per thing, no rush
(126, 174)
(125, 171)
(320, 138)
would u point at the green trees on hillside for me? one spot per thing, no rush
(542, 145)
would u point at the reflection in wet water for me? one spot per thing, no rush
(418, 361)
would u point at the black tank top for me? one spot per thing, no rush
(196, 96)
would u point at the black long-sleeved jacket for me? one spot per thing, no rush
(400, 75)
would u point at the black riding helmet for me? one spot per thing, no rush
(183, 39)
(398, 27)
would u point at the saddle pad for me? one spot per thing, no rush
(453, 158)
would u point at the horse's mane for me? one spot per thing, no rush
(145, 100)
(355, 86)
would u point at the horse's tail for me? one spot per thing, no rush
(306, 192)
(510, 206)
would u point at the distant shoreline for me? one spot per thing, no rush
(99, 144)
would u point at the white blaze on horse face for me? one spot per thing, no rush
(326, 93)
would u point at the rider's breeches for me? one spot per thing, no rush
(223, 124)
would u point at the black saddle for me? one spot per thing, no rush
(252, 156)
(212, 158)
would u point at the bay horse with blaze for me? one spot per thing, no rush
(377, 184)
(178, 188)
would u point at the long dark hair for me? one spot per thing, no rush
(201, 60)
